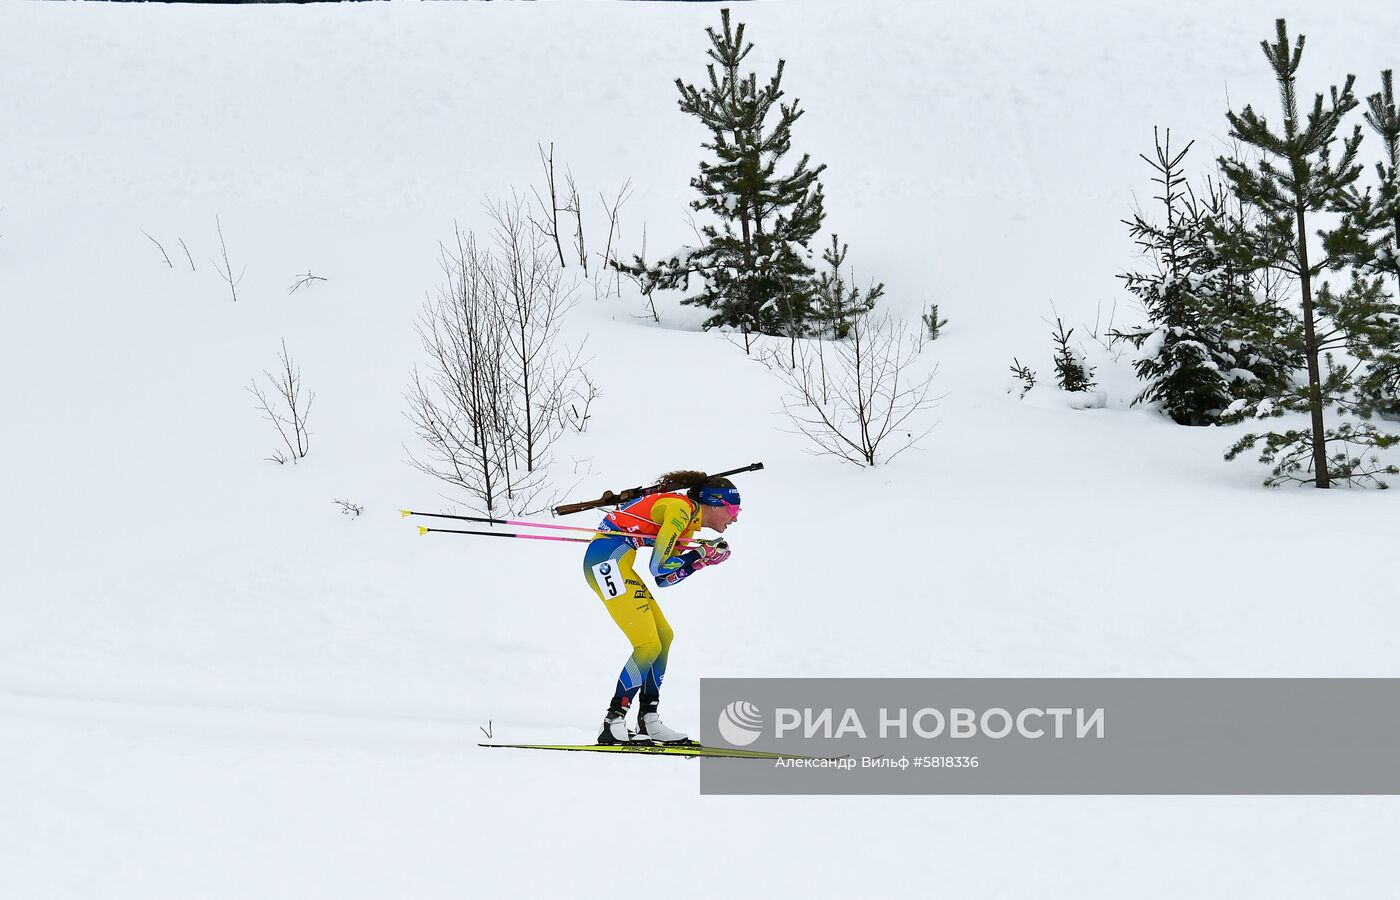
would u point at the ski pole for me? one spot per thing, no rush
(404, 513)
(422, 530)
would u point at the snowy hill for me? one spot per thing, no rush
(215, 684)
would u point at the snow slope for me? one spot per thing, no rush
(214, 684)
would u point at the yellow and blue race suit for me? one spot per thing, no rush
(662, 522)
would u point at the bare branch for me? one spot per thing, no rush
(227, 271)
(304, 281)
(610, 265)
(641, 283)
(162, 250)
(548, 223)
(574, 205)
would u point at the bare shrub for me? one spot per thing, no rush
(489, 406)
(859, 398)
(347, 508)
(533, 299)
(610, 279)
(553, 198)
(286, 407)
(582, 395)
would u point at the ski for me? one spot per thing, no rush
(684, 750)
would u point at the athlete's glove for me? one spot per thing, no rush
(706, 553)
(713, 552)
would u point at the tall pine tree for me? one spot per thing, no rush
(754, 260)
(1383, 381)
(1296, 180)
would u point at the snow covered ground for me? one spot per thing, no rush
(214, 684)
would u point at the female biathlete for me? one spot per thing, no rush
(666, 523)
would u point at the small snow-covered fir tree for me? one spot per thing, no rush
(1072, 372)
(755, 258)
(1182, 358)
(1200, 349)
(1025, 374)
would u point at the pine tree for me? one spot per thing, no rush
(933, 322)
(1297, 179)
(754, 261)
(1247, 302)
(1209, 340)
(1384, 119)
(838, 304)
(1383, 381)
(1025, 374)
(1071, 371)
(1185, 362)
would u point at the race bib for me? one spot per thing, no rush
(608, 579)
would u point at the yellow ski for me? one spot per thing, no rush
(683, 750)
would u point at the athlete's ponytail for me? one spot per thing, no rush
(692, 481)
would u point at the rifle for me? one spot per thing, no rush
(609, 498)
